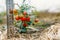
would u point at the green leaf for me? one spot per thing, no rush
(29, 23)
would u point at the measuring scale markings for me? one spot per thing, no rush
(9, 7)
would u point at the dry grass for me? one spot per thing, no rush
(51, 33)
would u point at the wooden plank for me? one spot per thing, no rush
(9, 7)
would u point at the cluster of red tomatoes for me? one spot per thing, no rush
(23, 18)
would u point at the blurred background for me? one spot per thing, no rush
(42, 9)
(50, 5)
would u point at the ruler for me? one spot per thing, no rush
(10, 26)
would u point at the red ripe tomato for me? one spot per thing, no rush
(23, 19)
(17, 17)
(36, 20)
(24, 24)
(24, 12)
(28, 19)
